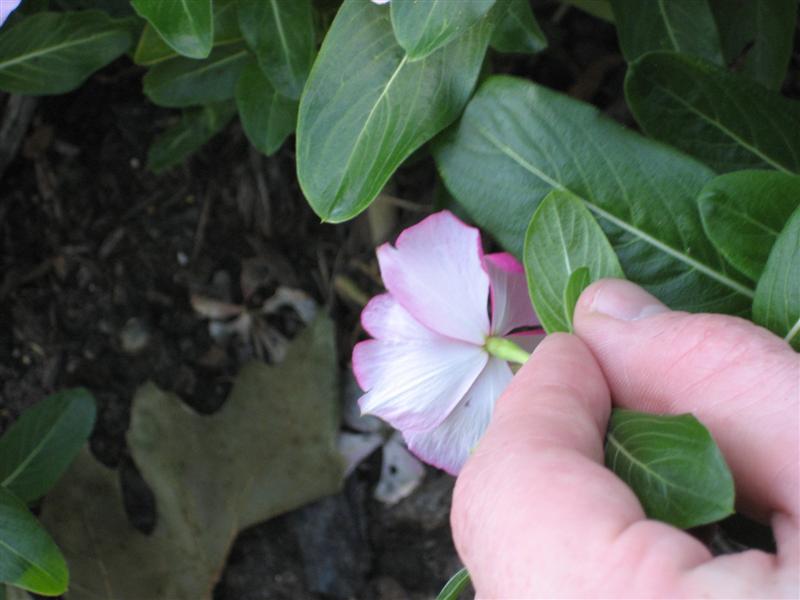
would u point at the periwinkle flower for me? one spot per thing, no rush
(437, 361)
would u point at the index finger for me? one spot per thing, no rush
(535, 512)
(738, 379)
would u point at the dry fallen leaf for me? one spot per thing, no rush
(270, 449)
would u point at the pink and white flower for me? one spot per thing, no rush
(430, 369)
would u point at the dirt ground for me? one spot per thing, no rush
(100, 257)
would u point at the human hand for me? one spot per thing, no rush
(535, 512)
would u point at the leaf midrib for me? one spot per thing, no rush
(620, 448)
(208, 67)
(718, 125)
(58, 47)
(635, 231)
(53, 579)
(668, 25)
(282, 36)
(34, 451)
(364, 127)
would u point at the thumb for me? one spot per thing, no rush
(739, 379)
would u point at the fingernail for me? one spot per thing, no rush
(625, 301)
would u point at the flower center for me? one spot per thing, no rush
(505, 349)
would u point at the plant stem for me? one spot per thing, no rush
(505, 349)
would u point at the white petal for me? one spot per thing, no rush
(384, 319)
(435, 273)
(450, 444)
(511, 304)
(412, 384)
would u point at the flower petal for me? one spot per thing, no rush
(6, 8)
(435, 273)
(511, 304)
(415, 385)
(384, 319)
(450, 444)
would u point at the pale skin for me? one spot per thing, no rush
(537, 515)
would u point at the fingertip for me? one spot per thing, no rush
(561, 366)
(619, 299)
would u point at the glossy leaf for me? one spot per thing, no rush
(597, 8)
(267, 116)
(685, 26)
(281, 34)
(423, 26)
(757, 37)
(725, 120)
(152, 49)
(777, 302)
(578, 281)
(186, 25)
(366, 107)
(517, 141)
(565, 250)
(39, 446)
(53, 53)
(196, 127)
(455, 586)
(28, 556)
(673, 466)
(744, 212)
(182, 82)
(518, 31)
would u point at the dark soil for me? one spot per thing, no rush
(100, 257)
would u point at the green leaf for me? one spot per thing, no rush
(39, 446)
(281, 34)
(182, 82)
(744, 212)
(366, 107)
(578, 281)
(196, 127)
(152, 49)
(28, 557)
(267, 116)
(518, 31)
(725, 120)
(423, 26)
(53, 53)
(685, 26)
(562, 242)
(186, 25)
(597, 8)
(455, 586)
(673, 466)
(777, 302)
(757, 37)
(518, 140)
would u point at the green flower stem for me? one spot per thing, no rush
(505, 349)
